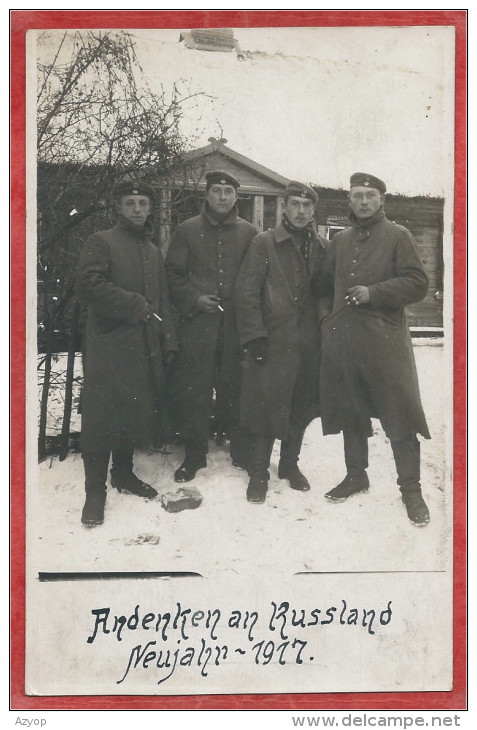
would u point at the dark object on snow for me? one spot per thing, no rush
(184, 498)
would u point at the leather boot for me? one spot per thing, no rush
(258, 462)
(257, 490)
(351, 484)
(296, 478)
(288, 464)
(407, 455)
(195, 459)
(356, 481)
(124, 480)
(417, 510)
(96, 470)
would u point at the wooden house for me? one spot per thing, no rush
(181, 190)
(181, 195)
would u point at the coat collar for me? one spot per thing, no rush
(280, 234)
(138, 231)
(229, 220)
(369, 222)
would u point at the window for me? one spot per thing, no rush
(330, 230)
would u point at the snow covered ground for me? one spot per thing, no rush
(292, 532)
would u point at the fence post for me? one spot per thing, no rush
(65, 429)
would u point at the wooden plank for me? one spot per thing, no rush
(164, 219)
(426, 314)
(257, 212)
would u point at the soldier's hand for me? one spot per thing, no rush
(147, 314)
(357, 295)
(258, 349)
(208, 303)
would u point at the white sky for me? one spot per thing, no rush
(323, 102)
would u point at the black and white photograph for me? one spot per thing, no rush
(239, 360)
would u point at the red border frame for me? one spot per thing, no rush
(21, 21)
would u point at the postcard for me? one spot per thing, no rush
(271, 557)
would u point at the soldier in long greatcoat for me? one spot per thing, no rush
(278, 319)
(130, 337)
(368, 368)
(201, 265)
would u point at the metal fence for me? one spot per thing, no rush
(60, 380)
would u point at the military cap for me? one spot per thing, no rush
(368, 181)
(301, 191)
(220, 177)
(134, 187)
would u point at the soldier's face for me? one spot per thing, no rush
(136, 208)
(365, 201)
(299, 210)
(221, 198)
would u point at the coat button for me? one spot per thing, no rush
(295, 299)
(352, 273)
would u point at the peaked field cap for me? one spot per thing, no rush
(368, 181)
(221, 177)
(134, 187)
(300, 190)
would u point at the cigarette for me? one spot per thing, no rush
(221, 308)
(157, 316)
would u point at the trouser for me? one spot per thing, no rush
(203, 370)
(195, 452)
(239, 443)
(355, 451)
(260, 451)
(291, 447)
(96, 466)
(407, 456)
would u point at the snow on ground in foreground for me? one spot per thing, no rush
(292, 532)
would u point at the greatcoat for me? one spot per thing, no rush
(274, 298)
(204, 258)
(119, 271)
(368, 367)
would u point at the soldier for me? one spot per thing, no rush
(202, 262)
(130, 339)
(368, 367)
(278, 320)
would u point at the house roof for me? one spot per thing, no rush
(189, 171)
